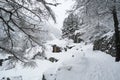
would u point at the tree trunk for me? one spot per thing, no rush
(117, 37)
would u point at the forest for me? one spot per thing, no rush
(59, 39)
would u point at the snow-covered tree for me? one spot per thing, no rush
(70, 25)
(21, 23)
(102, 11)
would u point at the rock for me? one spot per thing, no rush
(56, 48)
(76, 38)
(8, 78)
(69, 47)
(12, 78)
(43, 78)
(1, 62)
(52, 59)
(105, 44)
(72, 55)
(65, 49)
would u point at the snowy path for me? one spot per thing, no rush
(100, 69)
(94, 65)
(92, 69)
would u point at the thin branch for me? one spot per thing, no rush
(6, 23)
(29, 36)
(27, 9)
(12, 53)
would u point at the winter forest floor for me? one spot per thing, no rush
(78, 63)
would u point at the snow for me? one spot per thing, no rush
(78, 63)
(52, 32)
(109, 34)
(27, 73)
(32, 51)
(61, 43)
(60, 11)
(86, 65)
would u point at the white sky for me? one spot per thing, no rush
(60, 12)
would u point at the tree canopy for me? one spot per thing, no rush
(21, 25)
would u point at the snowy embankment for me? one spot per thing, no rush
(77, 63)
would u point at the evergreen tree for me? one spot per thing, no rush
(70, 25)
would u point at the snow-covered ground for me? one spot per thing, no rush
(77, 63)
(86, 64)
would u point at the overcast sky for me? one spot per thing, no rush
(60, 12)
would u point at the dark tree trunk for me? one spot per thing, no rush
(117, 37)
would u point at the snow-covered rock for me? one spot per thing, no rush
(106, 44)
